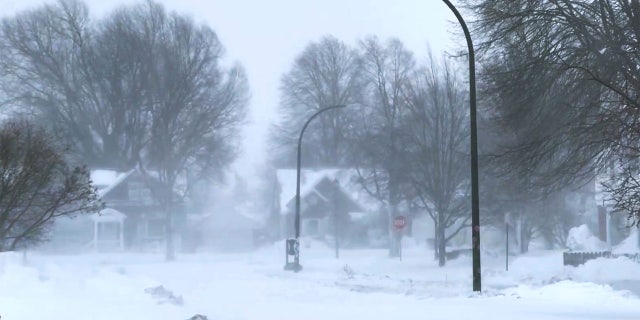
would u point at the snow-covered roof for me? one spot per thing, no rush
(287, 181)
(108, 215)
(106, 180)
(309, 179)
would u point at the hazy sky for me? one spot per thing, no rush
(266, 36)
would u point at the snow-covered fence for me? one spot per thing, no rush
(634, 257)
(577, 258)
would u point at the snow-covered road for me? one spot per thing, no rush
(362, 284)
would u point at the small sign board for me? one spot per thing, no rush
(399, 222)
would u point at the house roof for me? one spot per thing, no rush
(108, 215)
(309, 180)
(106, 180)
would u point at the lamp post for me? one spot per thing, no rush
(475, 196)
(293, 245)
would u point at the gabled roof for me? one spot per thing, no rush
(310, 179)
(108, 215)
(329, 191)
(107, 180)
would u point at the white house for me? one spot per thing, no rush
(132, 219)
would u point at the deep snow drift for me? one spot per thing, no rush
(362, 284)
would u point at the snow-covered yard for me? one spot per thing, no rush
(362, 284)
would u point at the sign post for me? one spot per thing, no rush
(399, 222)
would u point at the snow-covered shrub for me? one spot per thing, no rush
(582, 239)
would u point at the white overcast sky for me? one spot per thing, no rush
(265, 36)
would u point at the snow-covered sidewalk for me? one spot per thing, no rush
(362, 284)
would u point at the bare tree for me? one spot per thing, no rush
(380, 133)
(195, 105)
(79, 79)
(564, 73)
(37, 185)
(327, 73)
(142, 87)
(439, 135)
(623, 187)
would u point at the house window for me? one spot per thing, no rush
(312, 200)
(155, 228)
(139, 192)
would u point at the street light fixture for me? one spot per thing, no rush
(293, 245)
(475, 195)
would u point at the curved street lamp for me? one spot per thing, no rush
(475, 196)
(293, 245)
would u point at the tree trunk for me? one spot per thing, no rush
(442, 254)
(13, 245)
(525, 236)
(394, 241)
(170, 252)
(336, 233)
(524, 242)
(337, 210)
(435, 239)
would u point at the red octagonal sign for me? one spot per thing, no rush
(399, 222)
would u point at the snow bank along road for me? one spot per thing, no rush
(362, 284)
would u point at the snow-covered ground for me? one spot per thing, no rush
(362, 284)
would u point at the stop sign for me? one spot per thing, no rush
(399, 222)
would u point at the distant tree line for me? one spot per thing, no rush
(140, 87)
(405, 127)
(559, 105)
(560, 85)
